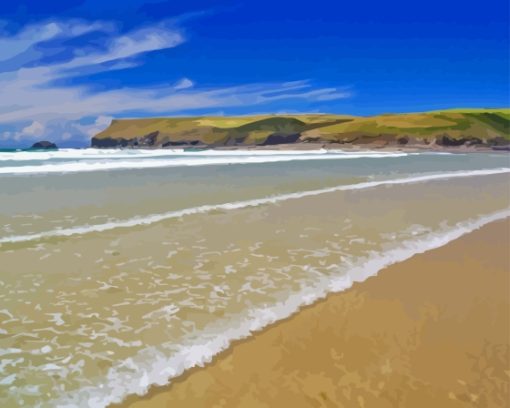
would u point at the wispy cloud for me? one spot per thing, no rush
(130, 45)
(34, 103)
(184, 83)
(17, 43)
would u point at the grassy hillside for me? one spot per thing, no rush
(450, 127)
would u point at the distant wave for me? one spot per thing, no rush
(157, 366)
(153, 218)
(117, 161)
(143, 153)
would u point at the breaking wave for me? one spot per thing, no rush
(154, 218)
(148, 161)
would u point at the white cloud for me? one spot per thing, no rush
(100, 124)
(74, 103)
(184, 83)
(129, 45)
(54, 111)
(35, 129)
(31, 131)
(11, 46)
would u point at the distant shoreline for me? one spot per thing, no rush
(294, 147)
(290, 147)
(338, 146)
(438, 130)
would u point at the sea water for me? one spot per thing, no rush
(121, 269)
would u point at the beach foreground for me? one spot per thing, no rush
(125, 270)
(428, 332)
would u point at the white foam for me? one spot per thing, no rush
(180, 159)
(154, 218)
(92, 153)
(152, 366)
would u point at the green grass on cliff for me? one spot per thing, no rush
(421, 126)
(484, 124)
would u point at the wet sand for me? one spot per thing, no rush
(432, 331)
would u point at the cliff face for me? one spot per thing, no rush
(489, 127)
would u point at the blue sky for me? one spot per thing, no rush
(68, 68)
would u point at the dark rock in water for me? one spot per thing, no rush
(278, 138)
(44, 144)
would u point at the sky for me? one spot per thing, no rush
(67, 68)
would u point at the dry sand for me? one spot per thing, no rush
(430, 332)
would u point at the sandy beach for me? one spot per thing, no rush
(432, 331)
(251, 204)
(143, 273)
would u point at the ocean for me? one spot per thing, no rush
(122, 269)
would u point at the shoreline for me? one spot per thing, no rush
(263, 343)
(302, 146)
(360, 148)
(328, 146)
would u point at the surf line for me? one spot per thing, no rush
(154, 218)
(139, 163)
(154, 367)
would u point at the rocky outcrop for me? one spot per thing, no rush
(108, 142)
(446, 140)
(148, 140)
(499, 142)
(278, 138)
(403, 140)
(502, 148)
(181, 143)
(435, 130)
(44, 145)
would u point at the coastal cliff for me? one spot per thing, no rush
(449, 128)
